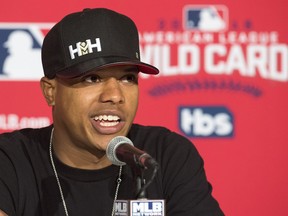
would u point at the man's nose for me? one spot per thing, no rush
(112, 91)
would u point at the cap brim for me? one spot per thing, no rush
(99, 63)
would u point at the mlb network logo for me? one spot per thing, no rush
(206, 18)
(206, 121)
(20, 50)
(147, 208)
(139, 207)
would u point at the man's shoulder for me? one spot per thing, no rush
(159, 137)
(13, 139)
(149, 129)
(154, 131)
(156, 134)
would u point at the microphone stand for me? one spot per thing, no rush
(141, 184)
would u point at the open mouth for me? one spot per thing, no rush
(107, 120)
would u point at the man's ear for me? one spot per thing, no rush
(48, 90)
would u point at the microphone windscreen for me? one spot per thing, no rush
(113, 145)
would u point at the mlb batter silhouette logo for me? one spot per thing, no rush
(20, 50)
(206, 18)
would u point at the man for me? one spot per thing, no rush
(91, 63)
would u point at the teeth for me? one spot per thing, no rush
(108, 124)
(107, 118)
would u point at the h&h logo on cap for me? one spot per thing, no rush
(84, 48)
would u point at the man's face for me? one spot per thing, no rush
(89, 111)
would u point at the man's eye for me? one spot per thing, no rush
(92, 79)
(130, 78)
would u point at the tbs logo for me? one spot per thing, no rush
(208, 121)
(207, 18)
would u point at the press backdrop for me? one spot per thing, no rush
(223, 84)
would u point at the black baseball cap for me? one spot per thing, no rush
(89, 40)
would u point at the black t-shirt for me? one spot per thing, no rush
(28, 186)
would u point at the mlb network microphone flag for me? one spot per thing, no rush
(140, 207)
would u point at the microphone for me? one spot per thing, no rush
(121, 151)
